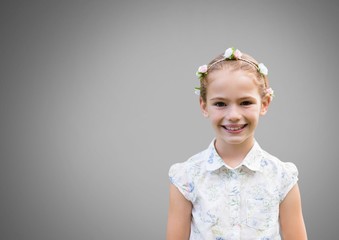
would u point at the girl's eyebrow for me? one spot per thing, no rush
(217, 98)
(222, 98)
(246, 97)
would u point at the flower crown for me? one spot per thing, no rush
(233, 54)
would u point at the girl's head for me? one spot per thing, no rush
(234, 60)
(233, 94)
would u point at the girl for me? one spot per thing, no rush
(234, 189)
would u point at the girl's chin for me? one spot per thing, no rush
(236, 140)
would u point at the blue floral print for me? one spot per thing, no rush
(234, 204)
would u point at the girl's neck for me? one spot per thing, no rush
(233, 154)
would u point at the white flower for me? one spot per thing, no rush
(262, 69)
(228, 53)
(197, 91)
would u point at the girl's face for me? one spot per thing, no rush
(233, 104)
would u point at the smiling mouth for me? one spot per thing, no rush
(234, 128)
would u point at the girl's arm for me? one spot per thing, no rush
(291, 218)
(179, 216)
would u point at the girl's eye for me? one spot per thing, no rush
(246, 103)
(220, 104)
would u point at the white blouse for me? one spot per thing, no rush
(234, 204)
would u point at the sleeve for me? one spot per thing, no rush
(181, 177)
(289, 177)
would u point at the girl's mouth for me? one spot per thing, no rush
(234, 128)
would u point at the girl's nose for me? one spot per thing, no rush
(233, 114)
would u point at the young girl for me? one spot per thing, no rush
(234, 189)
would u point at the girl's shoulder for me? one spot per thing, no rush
(284, 174)
(192, 164)
(275, 163)
(185, 175)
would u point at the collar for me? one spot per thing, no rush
(252, 160)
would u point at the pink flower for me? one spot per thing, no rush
(237, 54)
(270, 91)
(202, 69)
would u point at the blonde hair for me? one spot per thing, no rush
(246, 63)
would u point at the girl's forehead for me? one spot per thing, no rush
(229, 78)
(232, 84)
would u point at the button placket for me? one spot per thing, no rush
(234, 197)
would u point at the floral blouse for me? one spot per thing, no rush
(234, 204)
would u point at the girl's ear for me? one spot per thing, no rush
(264, 104)
(203, 107)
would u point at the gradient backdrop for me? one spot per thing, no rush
(97, 102)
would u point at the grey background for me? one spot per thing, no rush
(97, 102)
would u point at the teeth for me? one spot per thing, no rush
(234, 128)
